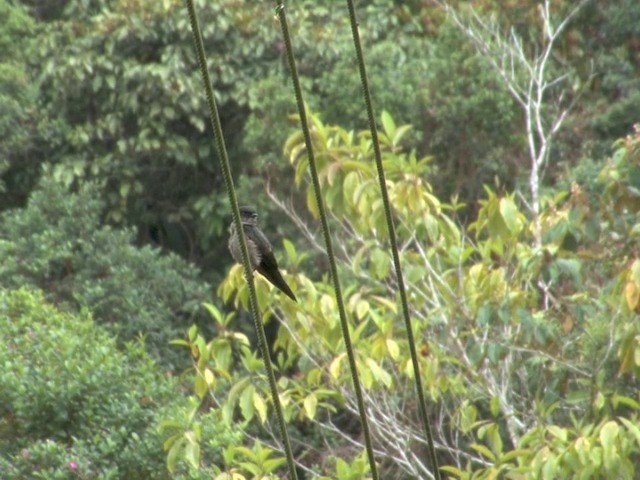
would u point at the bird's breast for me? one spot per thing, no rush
(236, 253)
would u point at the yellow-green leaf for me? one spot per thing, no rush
(393, 348)
(310, 405)
(453, 471)
(208, 377)
(381, 375)
(362, 308)
(334, 368)
(558, 432)
(634, 272)
(608, 434)
(484, 451)
(509, 213)
(311, 203)
(388, 124)
(632, 294)
(246, 402)
(260, 406)
(200, 386)
(632, 428)
(494, 406)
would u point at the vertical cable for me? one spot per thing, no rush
(327, 239)
(248, 271)
(392, 237)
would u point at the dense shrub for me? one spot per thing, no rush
(71, 404)
(57, 243)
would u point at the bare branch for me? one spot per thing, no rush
(526, 79)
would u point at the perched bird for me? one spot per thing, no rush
(260, 250)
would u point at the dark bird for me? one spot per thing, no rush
(260, 250)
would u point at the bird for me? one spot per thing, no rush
(261, 255)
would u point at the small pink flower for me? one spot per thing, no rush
(25, 454)
(73, 465)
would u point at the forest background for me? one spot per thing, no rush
(513, 165)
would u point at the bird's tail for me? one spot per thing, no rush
(275, 277)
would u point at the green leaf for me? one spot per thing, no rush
(273, 464)
(558, 432)
(381, 263)
(608, 434)
(214, 311)
(513, 454)
(494, 406)
(509, 213)
(432, 226)
(381, 375)
(246, 402)
(632, 428)
(496, 225)
(209, 378)
(200, 386)
(362, 308)
(350, 185)
(393, 348)
(388, 124)
(193, 331)
(290, 249)
(174, 453)
(192, 450)
(310, 405)
(484, 451)
(260, 406)
(453, 471)
(342, 468)
(468, 415)
(632, 295)
(634, 272)
(550, 469)
(311, 203)
(386, 303)
(624, 400)
(334, 367)
(400, 132)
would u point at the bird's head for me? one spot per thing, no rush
(248, 214)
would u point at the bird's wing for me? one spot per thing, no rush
(267, 260)
(267, 264)
(254, 234)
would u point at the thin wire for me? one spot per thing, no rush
(248, 271)
(280, 11)
(392, 238)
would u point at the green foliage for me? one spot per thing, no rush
(210, 442)
(531, 352)
(71, 404)
(121, 104)
(197, 443)
(125, 90)
(15, 93)
(615, 55)
(120, 101)
(516, 342)
(474, 127)
(17, 101)
(58, 245)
